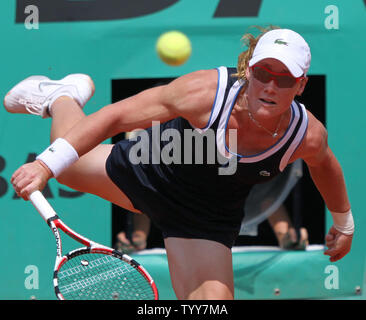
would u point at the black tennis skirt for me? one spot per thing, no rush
(173, 208)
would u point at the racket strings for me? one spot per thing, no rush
(102, 277)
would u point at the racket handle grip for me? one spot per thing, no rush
(42, 205)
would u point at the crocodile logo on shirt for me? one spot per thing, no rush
(264, 173)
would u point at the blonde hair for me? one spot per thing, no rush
(249, 41)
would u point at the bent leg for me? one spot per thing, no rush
(200, 269)
(88, 174)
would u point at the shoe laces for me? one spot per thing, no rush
(33, 104)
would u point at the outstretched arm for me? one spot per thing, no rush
(190, 96)
(328, 177)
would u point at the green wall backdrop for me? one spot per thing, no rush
(124, 48)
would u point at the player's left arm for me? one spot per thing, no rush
(327, 175)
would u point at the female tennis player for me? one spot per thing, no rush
(198, 206)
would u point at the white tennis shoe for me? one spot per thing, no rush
(36, 94)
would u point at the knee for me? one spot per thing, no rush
(212, 291)
(66, 179)
(208, 290)
(60, 179)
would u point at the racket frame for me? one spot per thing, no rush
(55, 223)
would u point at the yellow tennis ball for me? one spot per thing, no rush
(174, 48)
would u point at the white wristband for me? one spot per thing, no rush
(343, 222)
(59, 156)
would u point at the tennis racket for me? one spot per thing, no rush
(93, 272)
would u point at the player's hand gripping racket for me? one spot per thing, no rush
(94, 272)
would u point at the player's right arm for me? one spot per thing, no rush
(190, 96)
